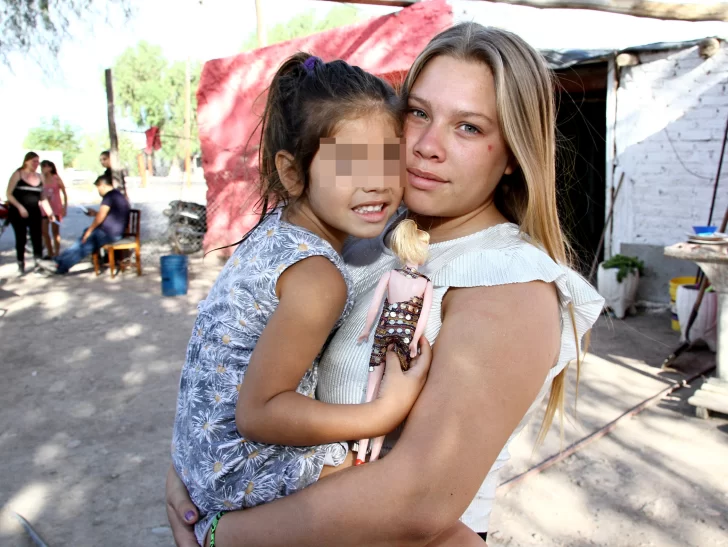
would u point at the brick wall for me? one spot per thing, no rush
(671, 114)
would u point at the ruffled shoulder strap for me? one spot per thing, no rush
(501, 255)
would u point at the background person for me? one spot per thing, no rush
(108, 226)
(55, 192)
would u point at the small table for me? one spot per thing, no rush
(713, 260)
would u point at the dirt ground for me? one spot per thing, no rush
(90, 369)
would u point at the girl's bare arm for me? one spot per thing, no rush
(312, 295)
(492, 355)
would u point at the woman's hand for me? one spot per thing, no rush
(23, 211)
(363, 337)
(400, 389)
(181, 513)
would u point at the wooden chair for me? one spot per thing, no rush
(131, 242)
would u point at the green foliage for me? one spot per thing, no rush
(150, 91)
(306, 24)
(93, 145)
(625, 264)
(41, 26)
(54, 136)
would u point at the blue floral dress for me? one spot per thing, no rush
(222, 470)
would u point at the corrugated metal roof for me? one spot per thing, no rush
(565, 58)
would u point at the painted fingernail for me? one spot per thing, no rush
(189, 515)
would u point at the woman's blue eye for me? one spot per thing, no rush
(469, 128)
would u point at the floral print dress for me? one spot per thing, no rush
(222, 470)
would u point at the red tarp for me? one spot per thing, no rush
(228, 112)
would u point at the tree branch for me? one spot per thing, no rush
(685, 11)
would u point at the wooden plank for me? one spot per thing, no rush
(716, 382)
(712, 388)
(709, 401)
(685, 11)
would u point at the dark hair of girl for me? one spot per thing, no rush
(48, 163)
(307, 101)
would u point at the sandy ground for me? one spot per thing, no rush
(90, 369)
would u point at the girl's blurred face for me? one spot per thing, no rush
(456, 154)
(45, 170)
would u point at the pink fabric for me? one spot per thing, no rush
(230, 102)
(52, 192)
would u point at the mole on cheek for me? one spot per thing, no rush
(490, 147)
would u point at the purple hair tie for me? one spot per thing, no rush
(310, 63)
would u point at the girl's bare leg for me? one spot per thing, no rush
(373, 383)
(458, 535)
(56, 231)
(330, 470)
(47, 237)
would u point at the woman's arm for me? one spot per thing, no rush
(11, 188)
(312, 295)
(374, 307)
(492, 355)
(62, 187)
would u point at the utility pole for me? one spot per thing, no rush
(188, 124)
(113, 138)
(260, 25)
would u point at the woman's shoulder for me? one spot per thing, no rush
(496, 256)
(503, 255)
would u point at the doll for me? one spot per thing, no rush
(407, 299)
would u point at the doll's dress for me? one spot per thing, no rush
(397, 325)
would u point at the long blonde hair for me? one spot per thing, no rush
(526, 116)
(409, 243)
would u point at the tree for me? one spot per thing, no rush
(54, 136)
(150, 92)
(92, 146)
(306, 24)
(42, 25)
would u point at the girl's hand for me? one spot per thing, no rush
(181, 513)
(400, 389)
(23, 211)
(363, 337)
(65, 210)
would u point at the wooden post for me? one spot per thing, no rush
(188, 124)
(113, 138)
(260, 25)
(142, 169)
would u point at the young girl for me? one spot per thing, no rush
(55, 192)
(238, 444)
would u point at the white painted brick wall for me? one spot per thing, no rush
(671, 114)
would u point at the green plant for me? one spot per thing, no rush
(625, 264)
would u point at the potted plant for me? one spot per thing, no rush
(617, 281)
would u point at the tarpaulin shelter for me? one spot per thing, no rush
(230, 100)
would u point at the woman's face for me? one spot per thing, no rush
(32, 164)
(456, 154)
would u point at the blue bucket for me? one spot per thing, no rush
(174, 275)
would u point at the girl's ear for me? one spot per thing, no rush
(287, 172)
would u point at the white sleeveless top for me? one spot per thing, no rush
(495, 256)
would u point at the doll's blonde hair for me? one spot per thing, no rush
(409, 243)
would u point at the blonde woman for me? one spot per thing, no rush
(508, 314)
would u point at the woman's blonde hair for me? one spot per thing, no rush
(524, 94)
(409, 243)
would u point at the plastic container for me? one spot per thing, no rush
(704, 230)
(174, 275)
(706, 322)
(676, 282)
